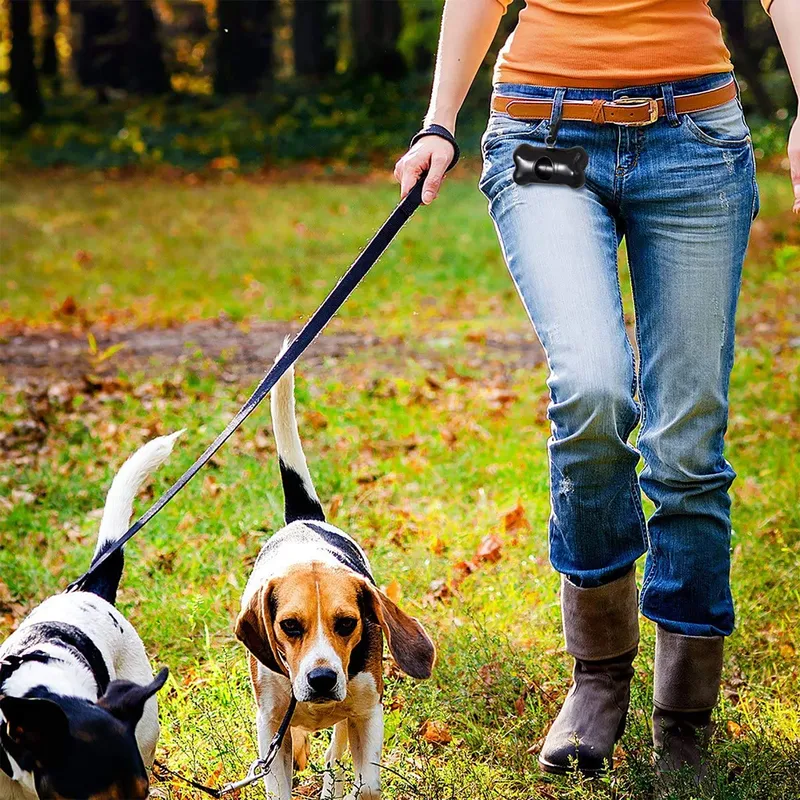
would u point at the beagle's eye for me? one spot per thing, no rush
(292, 628)
(344, 626)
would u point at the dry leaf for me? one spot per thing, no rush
(316, 419)
(735, 730)
(211, 486)
(490, 548)
(463, 569)
(436, 732)
(515, 520)
(394, 592)
(68, 307)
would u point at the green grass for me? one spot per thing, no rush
(412, 447)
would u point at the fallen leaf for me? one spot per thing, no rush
(516, 520)
(23, 498)
(69, 307)
(735, 730)
(394, 592)
(490, 548)
(462, 570)
(316, 419)
(211, 486)
(435, 732)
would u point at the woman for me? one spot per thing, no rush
(646, 87)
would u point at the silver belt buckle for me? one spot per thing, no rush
(652, 106)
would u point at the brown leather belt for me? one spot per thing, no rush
(635, 111)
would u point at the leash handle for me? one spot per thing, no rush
(332, 303)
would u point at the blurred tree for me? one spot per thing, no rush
(746, 57)
(145, 70)
(314, 38)
(101, 52)
(22, 75)
(49, 54)
(376, 26)
(244, 44)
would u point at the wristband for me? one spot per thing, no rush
(442, 133)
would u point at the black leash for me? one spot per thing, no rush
(332, 303)
(258, 769)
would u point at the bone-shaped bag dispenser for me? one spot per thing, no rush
(550, 165)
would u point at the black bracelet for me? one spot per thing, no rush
(442, 133)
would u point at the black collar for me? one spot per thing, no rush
(64, 635)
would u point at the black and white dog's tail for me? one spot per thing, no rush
(300, 497)
(118, 510)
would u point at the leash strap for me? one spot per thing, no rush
(332, 303)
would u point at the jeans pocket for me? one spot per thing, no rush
(503, 135)
(723, 126)
(502, 126)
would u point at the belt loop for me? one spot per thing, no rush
(555, 118)
(668, 93)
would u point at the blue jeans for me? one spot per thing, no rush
(682, 193)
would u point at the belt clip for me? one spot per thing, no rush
(652, 106)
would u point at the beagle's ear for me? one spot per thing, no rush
(254, 629)
(409, 644)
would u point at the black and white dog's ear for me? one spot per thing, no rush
(408, 641)
(125, 700)
(37, 725)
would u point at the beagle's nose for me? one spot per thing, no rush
(322, 680)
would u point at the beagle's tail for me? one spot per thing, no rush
(300, 497)
(118, 509)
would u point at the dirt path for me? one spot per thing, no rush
(40, 355)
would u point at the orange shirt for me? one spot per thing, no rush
(610, 44)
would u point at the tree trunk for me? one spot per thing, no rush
(745, 59)
(376, 27)
(146, 73)
(101, 54)
(22, 75)
(314, 38)
(244, 44)
(49, 54)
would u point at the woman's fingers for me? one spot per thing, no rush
(414, 167)
(429, 153)
(439, 164)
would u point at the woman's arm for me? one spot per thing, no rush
(786, 19)
(468, 27)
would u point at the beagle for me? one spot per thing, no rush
(78, 715)
(314, 620)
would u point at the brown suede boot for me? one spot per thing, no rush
(688, 671)
(601, 628)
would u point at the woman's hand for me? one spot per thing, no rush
(794, 161)
(430, 153)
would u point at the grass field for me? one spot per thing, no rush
(427, 444)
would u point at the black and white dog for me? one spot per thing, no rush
(78, 716)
